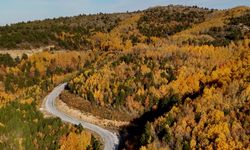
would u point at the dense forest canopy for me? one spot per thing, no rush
(179, 74)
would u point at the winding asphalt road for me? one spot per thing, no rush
(111, 140)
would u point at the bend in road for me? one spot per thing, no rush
(110, 139)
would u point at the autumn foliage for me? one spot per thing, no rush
(182, 71)
(199, 94)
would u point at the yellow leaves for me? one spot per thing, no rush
(79, 79)
(220, 132)
(20, 142)
(222, 144)
(155, 40)
(70, 142)
(164, 89)
(75, 141)
(222, 75)
(85, 140)
(98, 37)
(61, 58)
(97, 83)
(143, 148)
(34, 91)
(114, 40)
(145, 69)
(128, 45)
(216, 19)
(208, 92)
(26, 101)
(187, 82)
(13, 70)
(237, 11)
(247, 92)
(155, 92)
(61, 36)
(127, 26)
(2, 125)
(201, 116)
(193, 143)
(107, 41)
(140, 91)
(132, 104)
(41, 67)
(99, 97)
(5, 97)
(151, 146)
(217, 115)
(194, 83)
(175, 110)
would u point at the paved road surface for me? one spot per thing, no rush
(110, 139)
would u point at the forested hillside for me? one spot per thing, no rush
(103, 31)
(179, 74)
(64, 33)
(23, 84)
(189, 96)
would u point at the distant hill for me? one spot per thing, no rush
(64, 32)
(178, 24)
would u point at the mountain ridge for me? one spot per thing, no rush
(76, 33)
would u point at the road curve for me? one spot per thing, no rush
(110, 139)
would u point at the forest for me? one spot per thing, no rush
(33, 131)
(180, 75)
(24, 82)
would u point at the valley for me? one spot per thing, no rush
(168, 77)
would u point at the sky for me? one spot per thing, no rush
(12, 11)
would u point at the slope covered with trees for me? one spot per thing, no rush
(116, 31)
(64, 32)
(24, 82)
(166, 21)
(218, 29)
(24, 127)
(237, 28)
(179, 74)
(184, 96)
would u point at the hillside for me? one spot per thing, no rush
(179, 24)
(179, 74)
(24, 82)
(64, 32)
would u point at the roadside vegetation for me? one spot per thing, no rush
(173, 88)
(24, 82)
(22, 126)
